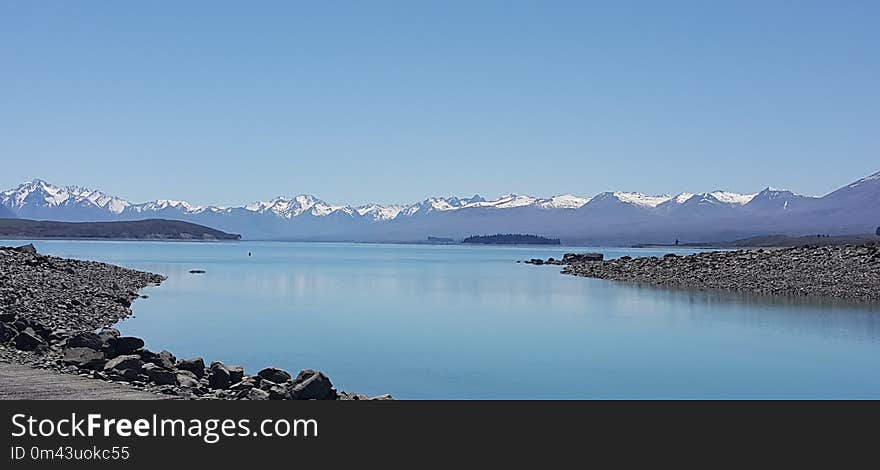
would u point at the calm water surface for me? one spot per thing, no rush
(468, 322)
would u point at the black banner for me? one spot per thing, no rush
(181, 434)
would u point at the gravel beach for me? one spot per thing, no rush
(848, 272)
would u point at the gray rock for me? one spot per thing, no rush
(129, 375)
(28, 340)
(84, 358)
(312, 385)
(109, 336)
(109, 333)
(277, 392)
(236, 373)
(266, 384)
(160, 375)
(163, 359)
(245, 383)
(273, 374)
(257, 394)
(128, 345)
(7, 333)
(29, 248)
(219, 376)
(85, 340)
(195, 365)
(128, 362)
(353, 396)
(187, 379)
(569, 258)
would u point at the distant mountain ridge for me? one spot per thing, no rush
(610, 217)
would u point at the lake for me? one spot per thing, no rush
(426, 321)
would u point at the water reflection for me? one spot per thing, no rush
(468, 322)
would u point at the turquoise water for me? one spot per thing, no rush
(468, 322)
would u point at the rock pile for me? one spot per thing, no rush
(569, 258)
(841, 272)
(56, 314)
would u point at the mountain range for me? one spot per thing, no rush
(609, 217)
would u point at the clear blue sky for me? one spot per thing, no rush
(228, 102)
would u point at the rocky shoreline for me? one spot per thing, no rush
(58, 314)
(846, 272)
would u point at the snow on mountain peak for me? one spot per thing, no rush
(32, 197)
(729, 197)
(639, 199)
(509, 201)
(683, 197)
(563, 201)
(378, 212)
(42, 193)
(293, 207)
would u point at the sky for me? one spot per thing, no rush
(230, 102)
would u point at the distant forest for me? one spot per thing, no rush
(511, 239)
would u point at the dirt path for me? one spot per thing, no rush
(18, 382)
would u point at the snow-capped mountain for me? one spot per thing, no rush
(378, 212)
(703, 204)
(772, 199)
(865, 190)
(289, 208)
(616, 215)
(37, 198)
(563, 201)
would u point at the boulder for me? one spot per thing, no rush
(273, 374)
(569, 258)
(84, 358)
(195, 365)
(127, 362)
(28, 340)
(245, 383)
(29, 248)
(109, 336)
(219, 376)
(7, 333)
(187, 379)
(353, 396)
(277, 392)
(7, 317)
(257, 394)
(109, 333)
(236, 373)
(266, 384)
(312, 385)
(160, 375)
(85, 340)
(162, 359)
(129, 375)
(128, 344)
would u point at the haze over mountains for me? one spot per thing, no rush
(610, 217)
